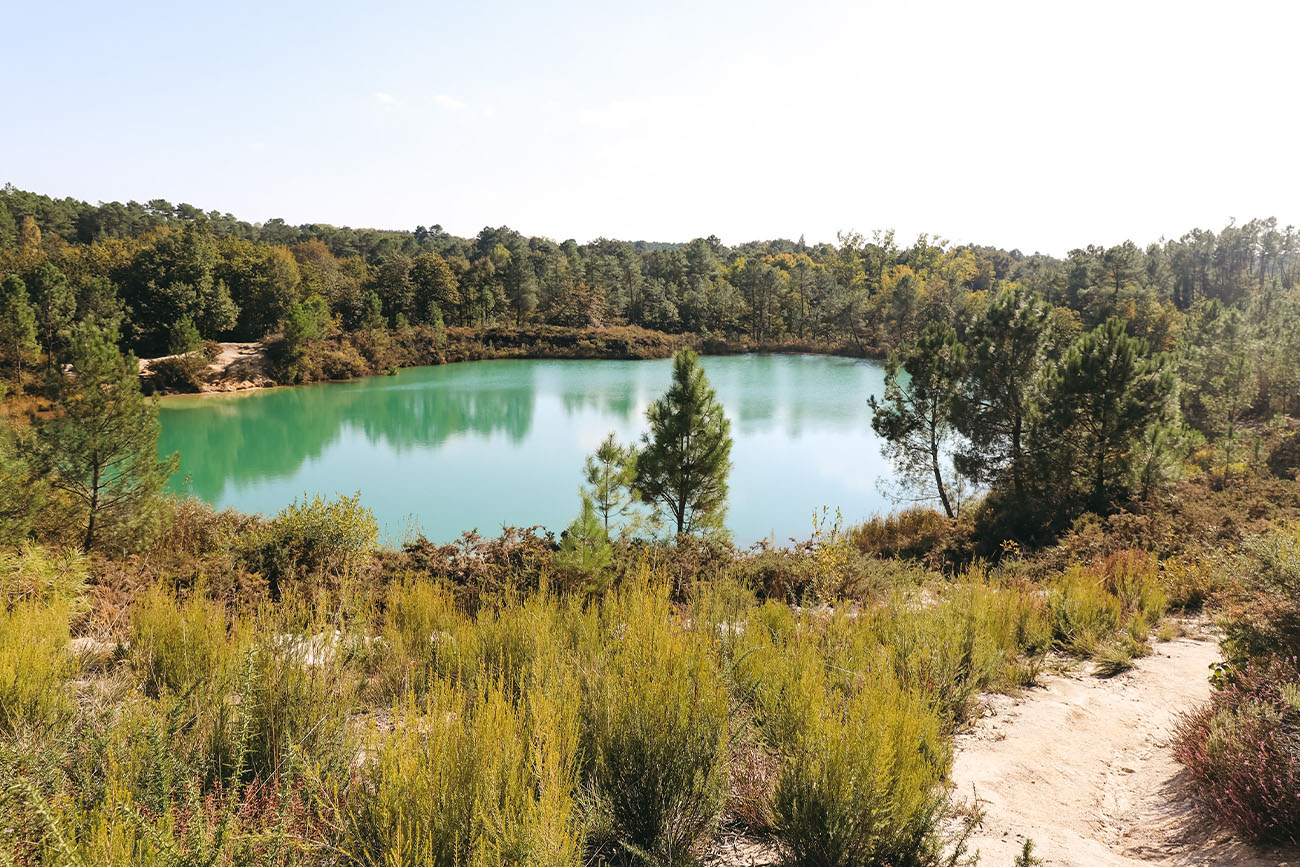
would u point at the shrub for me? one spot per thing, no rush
(177, 645)
(1082, 611)
(859, 774)
(1189, 581)
(973, 638)
(316, 537)
(42, 575)
(35, 666)
(185, 372)
(655, 730)
(470, 778)
(913, 532)
(1243, 752)
(1267, 619)
(485, 570)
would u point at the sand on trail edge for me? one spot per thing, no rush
(1083, 767)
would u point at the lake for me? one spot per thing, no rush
(482, 444)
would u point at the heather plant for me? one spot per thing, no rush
(1242, 751)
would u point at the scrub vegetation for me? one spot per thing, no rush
(1107, 438)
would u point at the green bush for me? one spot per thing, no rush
(316, 538)
(861, 763)
(1083, 612)
(178, 645)
(471, 779)
(655, 730)
(35, 666)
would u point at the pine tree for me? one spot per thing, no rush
(611, 478)
(101, 449)
(56, 305)
(18, 342)
(915, 418)
(1098, 405)
(1005, 346)
(685, 457)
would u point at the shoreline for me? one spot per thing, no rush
(229, 372)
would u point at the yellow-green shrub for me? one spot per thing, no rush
(1083, 612)
(861, 760)
(471, 778)
(655, 729)
(176, 645)
(35, 666)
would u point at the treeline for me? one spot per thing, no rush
(1051, 421)
(162, 273)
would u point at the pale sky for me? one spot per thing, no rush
(1039, 125)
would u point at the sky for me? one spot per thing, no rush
(1041, 126)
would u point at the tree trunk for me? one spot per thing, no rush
(938, 477)
(94, 507)
(1017, 468)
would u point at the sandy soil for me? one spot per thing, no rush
(239, 366)
(1082, 766)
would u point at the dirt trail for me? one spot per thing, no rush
(1083, 767)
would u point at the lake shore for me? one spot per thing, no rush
(347, 356)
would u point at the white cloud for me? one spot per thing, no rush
(450, 103)
(385, 99)
(257, 145)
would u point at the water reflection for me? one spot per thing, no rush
(477, 444)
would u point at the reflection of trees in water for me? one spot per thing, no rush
(272, 435)
(619, 401)
(797, 390)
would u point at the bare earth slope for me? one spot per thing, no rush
(1083, 767)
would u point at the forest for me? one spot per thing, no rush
(1108, 441)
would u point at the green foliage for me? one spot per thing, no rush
(1107, 611)
(685, 457)
(655, 730)
(55, 305)
(35, 666)
(610, 474)
(18, 344)
(472, 778)
(1007, 345)
(1102, 398)
(584, 546)
(1027, 858)
(22, 491)
(101, 449)
(915, 417)
(175, 645)
(860, 754)
(43, 576)
(314, 538)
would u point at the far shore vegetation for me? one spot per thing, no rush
(180, 685)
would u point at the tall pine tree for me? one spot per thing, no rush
(685, 457)
(101, 448)
(915, 418)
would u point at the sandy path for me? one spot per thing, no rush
(1082, 766)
